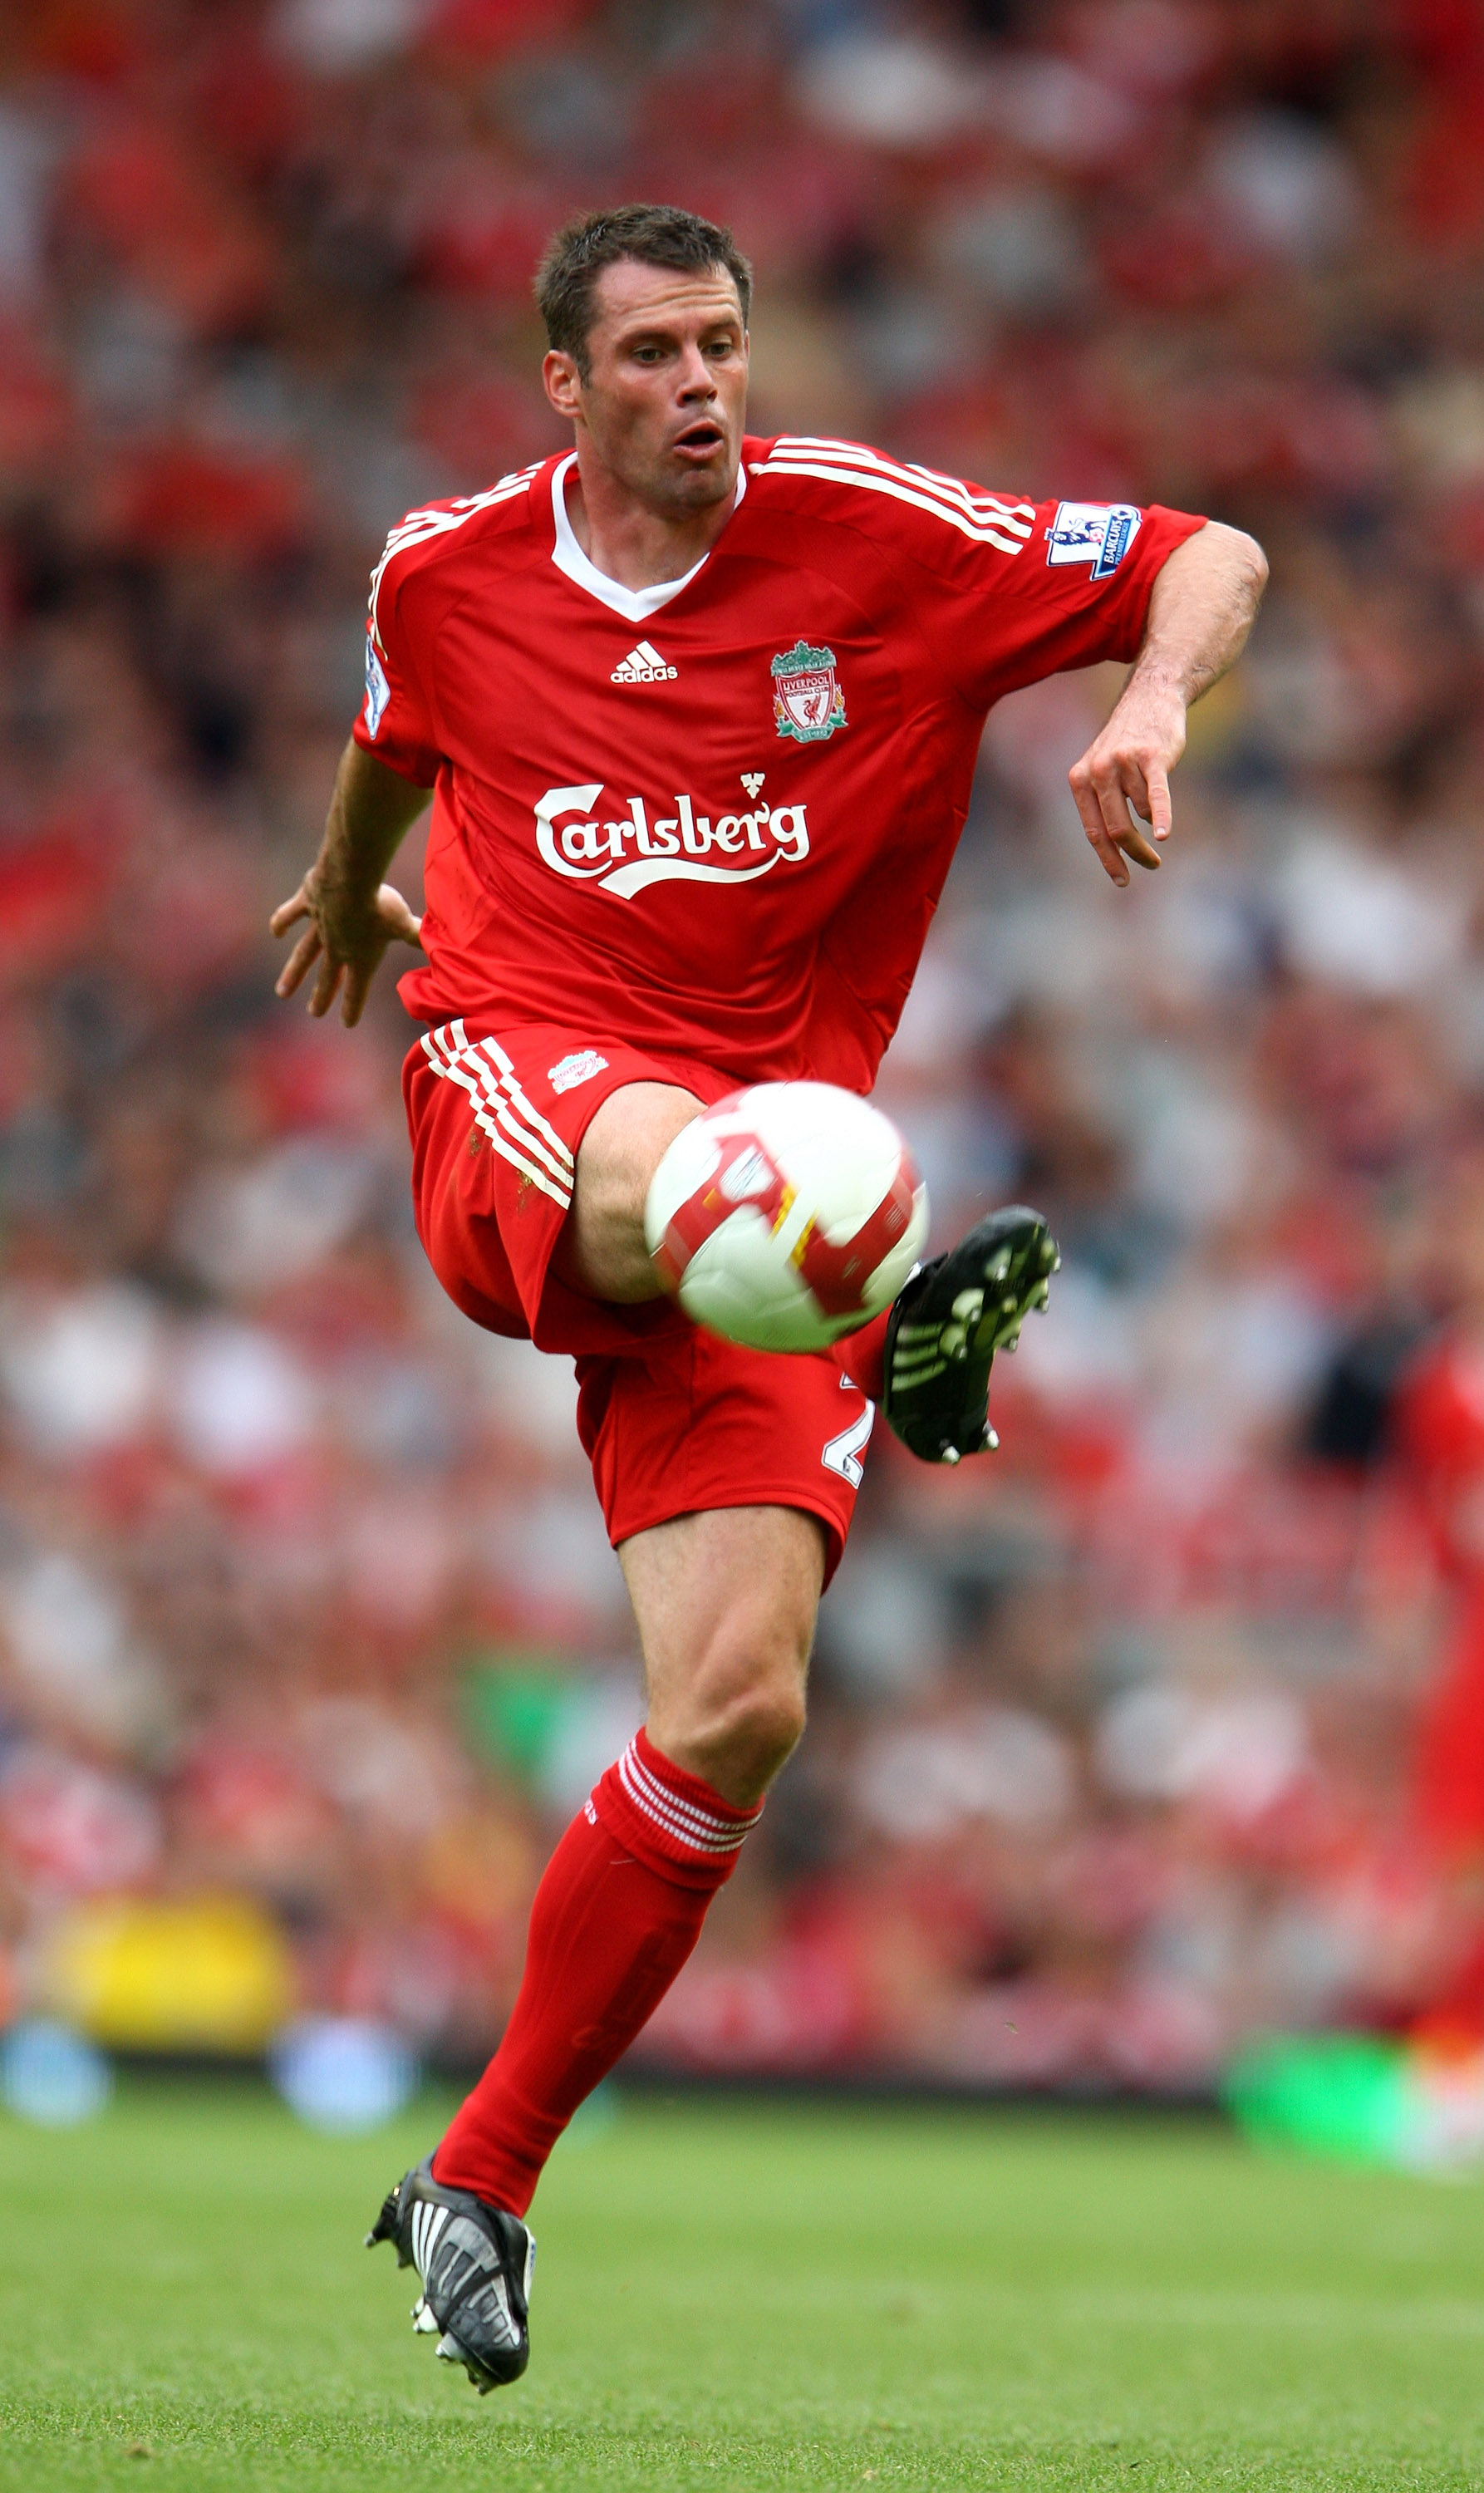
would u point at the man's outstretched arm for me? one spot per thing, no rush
(1201, 611)
(353, 915)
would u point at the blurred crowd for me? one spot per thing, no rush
(1165, 1726)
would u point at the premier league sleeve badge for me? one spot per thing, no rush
(1099, 533)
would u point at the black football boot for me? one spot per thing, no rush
(947, 1323)
(475, 2266)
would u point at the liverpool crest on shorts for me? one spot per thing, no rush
(807, 702)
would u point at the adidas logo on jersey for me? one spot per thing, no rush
(643, 666)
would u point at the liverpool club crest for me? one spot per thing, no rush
(807, 702)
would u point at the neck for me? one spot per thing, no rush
(626, 540)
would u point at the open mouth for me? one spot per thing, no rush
(700, 438)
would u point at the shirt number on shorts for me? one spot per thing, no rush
(842, 1453)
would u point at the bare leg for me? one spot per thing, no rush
(725, 1598)
(602, 1247)
(726, 1603)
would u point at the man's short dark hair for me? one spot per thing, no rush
(575, 260)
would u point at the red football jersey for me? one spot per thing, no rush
(713, 818)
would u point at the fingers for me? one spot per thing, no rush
(1102, 809)
(326, 985)
(358, 978)
(1103, 786)
(1135, 844)
(301, 959)
(337, 974)
(1158, 809)
(397, 919)
(1113, 794)
(1090, 811)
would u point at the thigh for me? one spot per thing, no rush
(725, 1602)
(602, 1247)
(498, 1122)
(691, 1579)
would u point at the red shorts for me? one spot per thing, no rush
(672, 1420)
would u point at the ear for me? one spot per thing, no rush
(562, 382)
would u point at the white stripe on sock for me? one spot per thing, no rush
(706, 1822)
(696, 1830)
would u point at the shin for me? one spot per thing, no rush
(725, 1604)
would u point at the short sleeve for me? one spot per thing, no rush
(1076, 590)
(393, 722)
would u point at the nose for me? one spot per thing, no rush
(697, 381)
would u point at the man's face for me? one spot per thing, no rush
(667, 384)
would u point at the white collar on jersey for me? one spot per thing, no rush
(634, 604)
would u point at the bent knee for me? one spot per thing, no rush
(746, 1722)
(752, 1720)
(764, 1727)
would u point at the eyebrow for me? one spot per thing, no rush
(659, 332)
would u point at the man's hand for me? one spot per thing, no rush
(1128, 768)
(1201, 611)
(346, 935)
(353, 915)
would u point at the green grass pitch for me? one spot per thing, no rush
(741, 2295)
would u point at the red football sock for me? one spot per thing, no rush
(863, 1355)
(617, 1912)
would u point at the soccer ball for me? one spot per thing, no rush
(786, 1215)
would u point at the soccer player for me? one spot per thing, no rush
(700, 713)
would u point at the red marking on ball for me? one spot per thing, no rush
(837, 1275)
(702, 1215)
